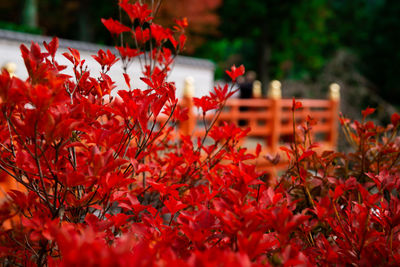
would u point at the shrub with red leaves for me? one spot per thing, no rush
(104, 182)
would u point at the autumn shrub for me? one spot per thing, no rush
(109, 181)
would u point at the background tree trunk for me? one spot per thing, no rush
(30, 14)
(263, 64)
(85, 28)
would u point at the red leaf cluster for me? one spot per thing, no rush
(235, 72)
(107, 183)
(105, 59)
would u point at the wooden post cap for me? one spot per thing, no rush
(274, 90)
(188, 88)
(257, 91)
(10, 67)
(334, 91)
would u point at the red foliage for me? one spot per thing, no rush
(235, 72)
(105, 184)
(136, 11)
(114, 26)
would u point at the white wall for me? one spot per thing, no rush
(203, 75)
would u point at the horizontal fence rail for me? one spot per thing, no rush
(271, 119)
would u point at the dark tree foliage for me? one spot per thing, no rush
(370, 29)
(295, 39)
(381, 56)
(279, 39)
(77, 19)
(291, 38)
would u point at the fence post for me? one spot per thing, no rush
(334, 96)
(187, 127)
(275, 94)
(10, 67)
(257, 89)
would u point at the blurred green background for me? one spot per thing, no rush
(307, 43)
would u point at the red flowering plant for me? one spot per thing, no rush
(104, 182)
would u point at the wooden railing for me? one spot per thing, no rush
(271, 119)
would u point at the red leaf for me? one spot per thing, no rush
(136, 11)
(395, 119)
(127, 80)
(127, 52)
(74, 57)
(115, 27)
(306, 154)
(303, 174)
(159, 33)
(235, 72)
(287, 150)
(258, 150)
(52, 46)
(296, 105)
(206, 103)
(368, 111)
(182, 23)
(173, 205)
(182, 41)
(105, 59)
(141, 35)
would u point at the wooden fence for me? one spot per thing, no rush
(271, 120)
